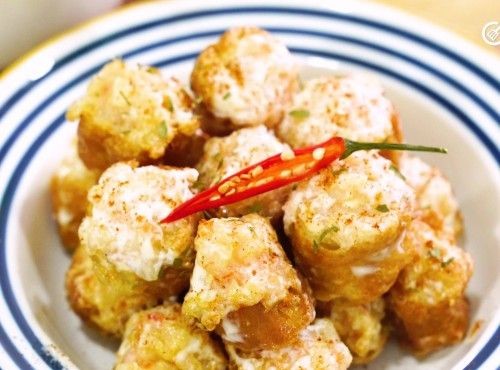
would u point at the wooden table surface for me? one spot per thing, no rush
(464, 17)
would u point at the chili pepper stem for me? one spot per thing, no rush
(354, 146)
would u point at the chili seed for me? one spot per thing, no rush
(299, 169)
(318, 153)
(224, 187)
(264, 181)
(285, 173)
(287, 155)
(256, 171)
(260, 182)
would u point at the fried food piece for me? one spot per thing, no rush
(318, 348)
(122, 227)
(244, 287)
(161, 338)
(105, 298)
(247, 78)
(226, 156)
(131, 112)
(68, 188)
(346, 225)
(438, 206)
(428, 296)
(186, 151)
(360, 328)
(349, 106)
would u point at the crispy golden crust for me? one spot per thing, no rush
(360, 327)
(161, 338)
(242, 275)
(346, 225)
(438, 206)
(318, 347)
(428, 296)
(228, 155)
(245, 79)
(275, 327)
(185, 151)
(106, 298)
(358, 277)
(443, 325)
(68, 188)
(347, 106)
(122, 227)
(131, 112)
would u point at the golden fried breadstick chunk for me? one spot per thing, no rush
(360, 328)
(69, 187)
(139, 261)
(105, 298)
(122, 227)
(245, 79)
(346, 225)
(437, 204)
(131, 112)
(161, 338)
(244, 286)
(351, 106)
(428, 297)
(226, 156)
(318, 348)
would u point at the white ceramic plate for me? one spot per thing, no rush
(446, 91)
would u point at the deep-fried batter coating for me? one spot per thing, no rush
(244, 286)
(123, 227)
(162, 339)
(437, 204)
(360, 327)
(69, 187)
(346, 224)
(349, 106)
(428, 296)
(225, 156)
(185, 151)
(247, 78)
(318, 348)
(106, 298)
(131, 112)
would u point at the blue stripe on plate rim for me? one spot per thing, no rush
(458, 86)
(51, 361)
(491, 345)
(487, 77)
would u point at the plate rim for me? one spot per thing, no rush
(478, 55)
(17, 67)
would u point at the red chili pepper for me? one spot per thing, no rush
(280, 170)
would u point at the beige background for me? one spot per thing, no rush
(464, 17)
